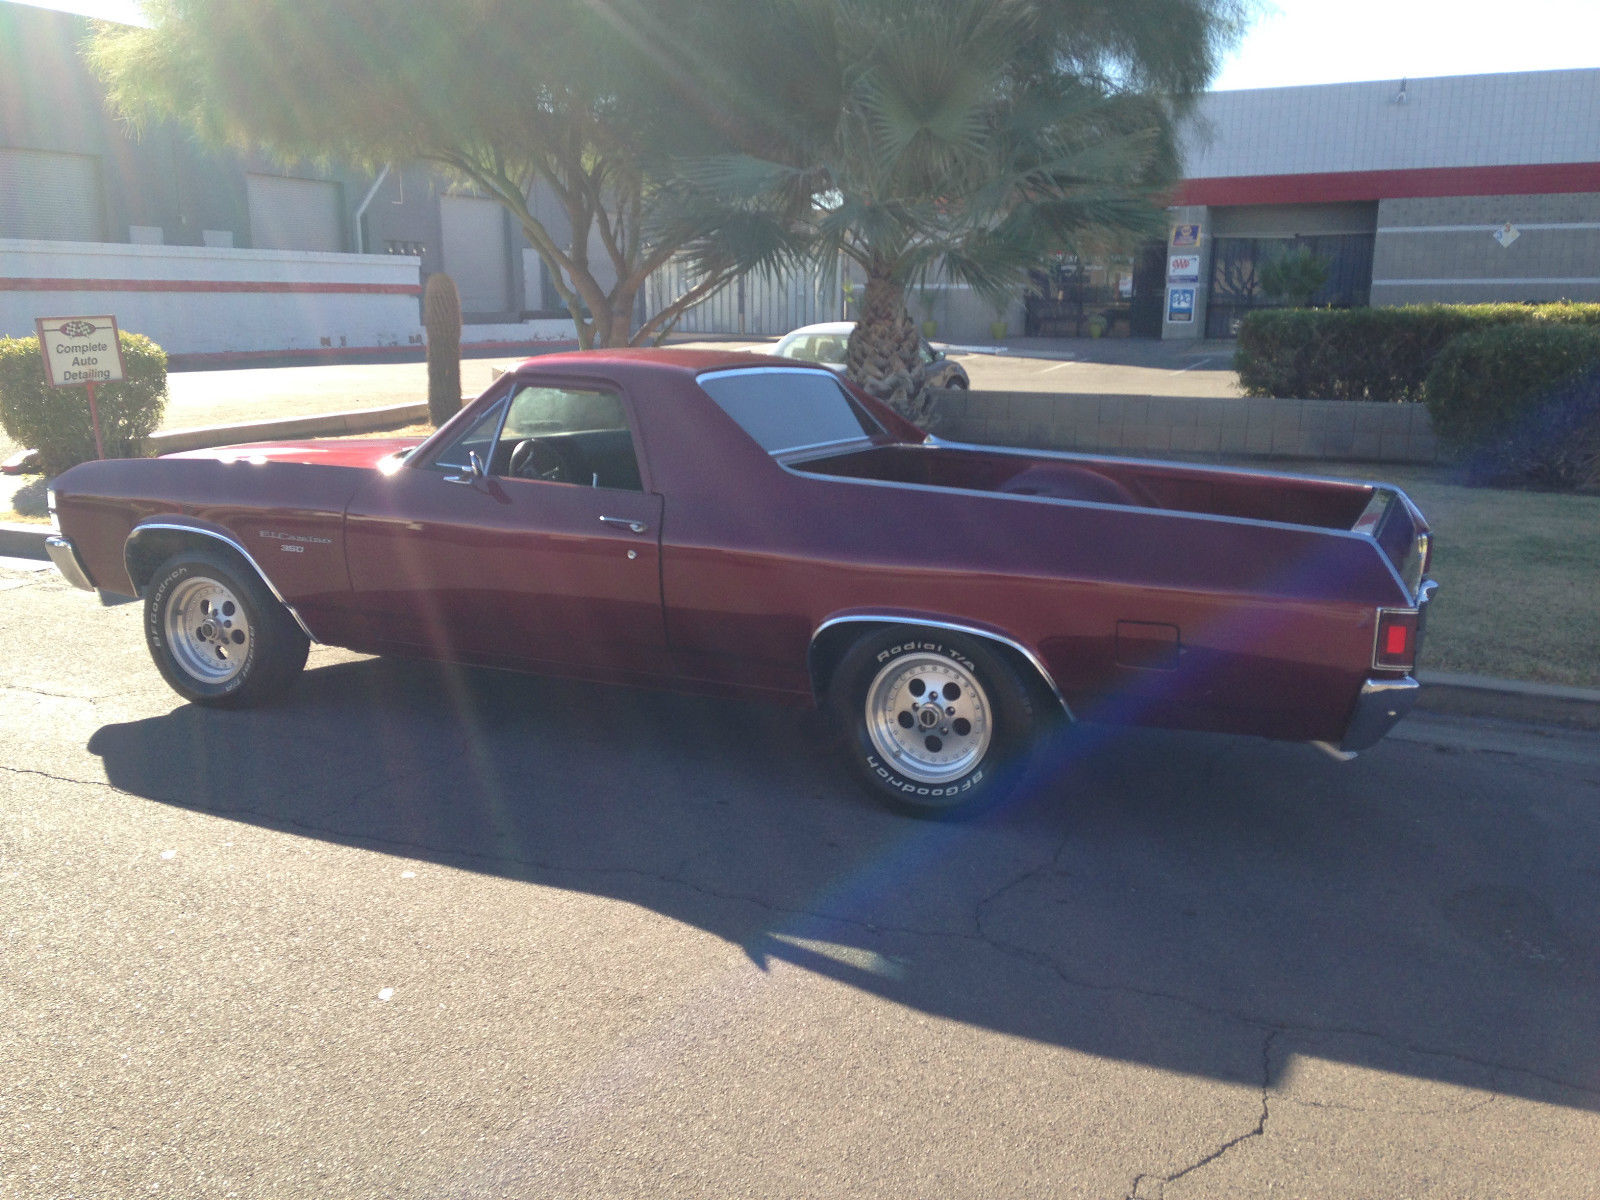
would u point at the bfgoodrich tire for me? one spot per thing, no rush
(933, 723)
(217, 635)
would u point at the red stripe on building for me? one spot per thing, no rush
(1531, 179)
(209, 286)
(410, 351)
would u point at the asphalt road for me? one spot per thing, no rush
(416, 933)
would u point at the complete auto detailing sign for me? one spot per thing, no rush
(79, 350)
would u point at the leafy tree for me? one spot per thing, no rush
(962, 139)
(1294, 276)
(580, 98)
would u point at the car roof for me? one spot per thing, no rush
(825, 327)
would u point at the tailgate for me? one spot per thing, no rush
(1398, 527)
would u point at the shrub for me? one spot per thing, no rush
(1294, 276)
(1519, 403)
(1379, 354)
(55, 421)
(1555, 445)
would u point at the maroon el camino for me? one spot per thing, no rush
(735, 523)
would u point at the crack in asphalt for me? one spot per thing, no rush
(1044, 960)
(1036, 958)
(63, 778)
(1403, 1112)
(33, 691)
(1138, 1191)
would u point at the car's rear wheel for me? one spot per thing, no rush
(217, 636)
(933, 722)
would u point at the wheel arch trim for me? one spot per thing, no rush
(976, 631)
(215, 535)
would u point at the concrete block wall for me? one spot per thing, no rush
(1336, 430)
(1444, 249)
(211, 300)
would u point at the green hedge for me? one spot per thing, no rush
(1381, 354)
(55, 421)
(1520, 405)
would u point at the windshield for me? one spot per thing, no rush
(817, 347)
(789, 409)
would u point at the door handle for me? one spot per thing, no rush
(627, 523)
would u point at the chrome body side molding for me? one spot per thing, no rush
(227, 540)
(954, 627)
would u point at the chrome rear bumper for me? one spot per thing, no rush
(65, 556)
(1379, 708)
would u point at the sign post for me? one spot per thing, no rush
(81, 350)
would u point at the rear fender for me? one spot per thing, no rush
(834, 636)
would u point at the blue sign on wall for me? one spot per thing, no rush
(1180, 305)
(1185, 236)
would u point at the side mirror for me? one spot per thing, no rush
(473, 474)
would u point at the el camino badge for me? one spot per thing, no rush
(294, 543)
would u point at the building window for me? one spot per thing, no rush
(294, 214)
(1236, 283)
(51, 197)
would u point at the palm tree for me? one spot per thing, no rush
(957, 139)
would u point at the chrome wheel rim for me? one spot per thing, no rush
(929, 717)
(207, 630)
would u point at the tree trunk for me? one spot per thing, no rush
(885, 355)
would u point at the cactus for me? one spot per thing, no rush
(441, 317)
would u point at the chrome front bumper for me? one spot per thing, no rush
(65, 556)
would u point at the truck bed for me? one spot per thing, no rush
(1324, 504)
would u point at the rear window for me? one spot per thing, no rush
(790, 410)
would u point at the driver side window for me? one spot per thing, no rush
(557, 435)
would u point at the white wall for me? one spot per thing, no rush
(213, 309)
(1450, 121)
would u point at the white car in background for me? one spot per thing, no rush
(828, 342)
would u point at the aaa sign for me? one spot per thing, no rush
(80, 350)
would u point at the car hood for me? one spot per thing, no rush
(332, 452)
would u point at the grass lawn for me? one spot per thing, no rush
(1518, 572)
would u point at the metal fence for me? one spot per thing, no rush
(752, 306)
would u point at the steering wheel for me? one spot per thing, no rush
(542, 458)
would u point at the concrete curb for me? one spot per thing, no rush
(361, 420)
(1509, 700)
(20, 539)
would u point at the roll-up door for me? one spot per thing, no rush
(294, 214)
(53, 197)
(475, 252)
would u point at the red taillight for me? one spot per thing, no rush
(1396, 646)
(1396, 640)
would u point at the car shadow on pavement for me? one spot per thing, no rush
(1157, 897)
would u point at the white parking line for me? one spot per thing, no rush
(1058, 366)
(1197, 362)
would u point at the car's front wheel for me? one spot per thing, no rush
(217, 636)
(933, 722)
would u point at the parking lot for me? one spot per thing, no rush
(426, 933)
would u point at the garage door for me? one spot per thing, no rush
(55, 197)
(294, 214)
(476, 252)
